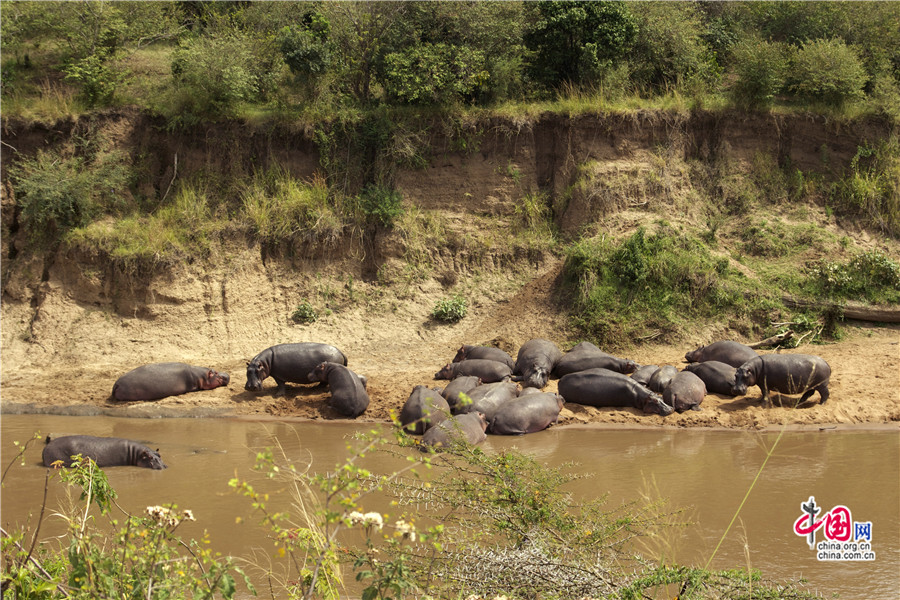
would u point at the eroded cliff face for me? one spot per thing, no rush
(65, 305)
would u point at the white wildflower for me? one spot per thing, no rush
(406, 529)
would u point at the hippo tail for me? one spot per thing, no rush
(47, 439)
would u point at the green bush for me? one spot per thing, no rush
(647, 286)
(871, 188)
(280, 207)
(57, 193)
(870, 276)
(212, 76)
(827, 71)
(450, 310)
(761, 69)
(434, 74)
(304, 313)
(97, 78)
(380, 204)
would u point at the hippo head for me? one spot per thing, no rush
(537, 378)
(744, 377)
(655, 405)
(149, 459)
(445, 373)
(693, 355)
(629, 366)
(256, 373)
(319, 373)
(460, 354)
(214, 379)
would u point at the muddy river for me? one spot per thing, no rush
(706, 473)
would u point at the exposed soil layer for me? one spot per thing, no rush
(73, 322)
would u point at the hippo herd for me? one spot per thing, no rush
(488, 391)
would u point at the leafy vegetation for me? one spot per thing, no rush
(648, 285)
(309, 57)
(450, 310)
(304, 313)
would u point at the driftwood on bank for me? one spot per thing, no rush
(772, 341)
(852, 310)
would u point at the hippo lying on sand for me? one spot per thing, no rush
(684, 392)
(601, 387)
(726, 351)
(161, 380)
(588, 356)
(489, 371)
(785, 373)
(106, 452)
(718, 377)
(535, 361)
(467, 352)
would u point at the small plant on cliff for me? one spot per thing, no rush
(304, 313)
(451, 309)
(380, 204)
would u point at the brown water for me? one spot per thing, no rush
(707, 473)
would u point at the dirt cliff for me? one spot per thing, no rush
(72, 322)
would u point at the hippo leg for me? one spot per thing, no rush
(281, 388)
(823, 393)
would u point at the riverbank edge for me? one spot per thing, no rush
(160, 412)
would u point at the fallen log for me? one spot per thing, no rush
(772, 341)
(851, 310)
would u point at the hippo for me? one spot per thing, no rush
(423, 409)
(467, 352)
(643, 374)
(290, 362)
(718, 377)
(661, 378)
(535, 362)
(534, 412)
(684, 392)
(588, 356)
(105, 451)
(161, 380)
(489, 371)
(785, 373)
(467, 428)
(348, 394)
(487, 398)
(601, 387)
(726, 351)
(457, 386)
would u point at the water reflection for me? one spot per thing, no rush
(706, 473)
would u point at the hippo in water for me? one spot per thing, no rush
(684, 392)
(528, 414)
(489, 371)
(289, 362)
(785, 373)
(467, 352)
(161, 380)
(423, 409)
(535, 362)
(726, 351)
(588, 356)
(718, 377)
(459, 429)
(348, 390)
(602, 387)
(106, 452)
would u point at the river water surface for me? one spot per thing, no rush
(706, 473)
